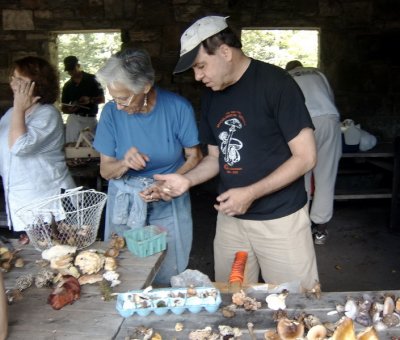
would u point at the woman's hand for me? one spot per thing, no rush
(135, 160)
(23, 94)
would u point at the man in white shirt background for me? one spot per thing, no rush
(320, 182)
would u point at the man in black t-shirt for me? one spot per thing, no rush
(260, 143)
(80, 98)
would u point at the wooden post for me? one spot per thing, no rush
(3, 310)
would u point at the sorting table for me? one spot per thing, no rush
(87, 318)
(262, 318)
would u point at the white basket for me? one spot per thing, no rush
(72, 218)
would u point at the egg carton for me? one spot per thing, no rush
(163, 300)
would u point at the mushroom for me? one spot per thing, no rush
(229, 311)
(388, 306)
(277, 301)
(90, 278)
(290, 329)
(117, 242)
(61, 262)
(89, 262)
(271, 334)
(351, 309)
(238, 298)
(179, 327)
(57, 251)
(316, 332)
(345, 330)
(110, 263)
(368, 334)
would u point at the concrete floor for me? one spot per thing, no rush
(361, 253)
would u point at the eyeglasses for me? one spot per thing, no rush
(14, 78)
(123, 101)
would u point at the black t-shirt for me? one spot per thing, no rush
(88, 86)
(252, 122)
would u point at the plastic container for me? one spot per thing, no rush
(146, 241)
(164, 300)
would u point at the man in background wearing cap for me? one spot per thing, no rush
(261, 143)
(80, 98)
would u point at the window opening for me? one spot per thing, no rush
(91, 48)
(279, 46)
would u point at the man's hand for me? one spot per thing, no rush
(235, 201)
(156, 192)
(173, 185)
(84, 100)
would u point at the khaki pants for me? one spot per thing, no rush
(282, 248)
(3, 310)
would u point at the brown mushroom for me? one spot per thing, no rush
(317, 332)
(368, 334)
(290, 329)
(345, 330)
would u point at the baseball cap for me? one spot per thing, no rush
(194, 35)
(70, 62)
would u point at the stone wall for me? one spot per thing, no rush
(357, 41)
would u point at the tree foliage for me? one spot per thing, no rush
(92, 50)
(280, 46)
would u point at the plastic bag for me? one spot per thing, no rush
(191, 277)
(355, 136)
(367, 141)
(292, 287)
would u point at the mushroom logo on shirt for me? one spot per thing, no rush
(230, 146)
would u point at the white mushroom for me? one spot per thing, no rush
(351, 309)
(57, 251)
(388, 306)
(276, 301)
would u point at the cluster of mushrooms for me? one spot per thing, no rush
(66, 269)
(56, 233)
(373, 315)
(10, 259)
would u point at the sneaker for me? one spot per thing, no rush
(320, 237)
(314, 228)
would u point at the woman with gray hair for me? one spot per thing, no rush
(145, 130)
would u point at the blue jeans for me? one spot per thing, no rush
(174, 216)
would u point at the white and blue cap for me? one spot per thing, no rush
(194, 36)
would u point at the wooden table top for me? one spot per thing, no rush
(92, 318)
(262, 318)
(87, 318)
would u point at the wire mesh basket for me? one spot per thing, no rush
(72, 218)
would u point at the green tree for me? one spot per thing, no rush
(92, 50)
(280, 46)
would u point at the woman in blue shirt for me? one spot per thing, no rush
(144, 131)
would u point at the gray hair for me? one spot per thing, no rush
(130, 67)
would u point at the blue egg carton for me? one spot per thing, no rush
(163, 300)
